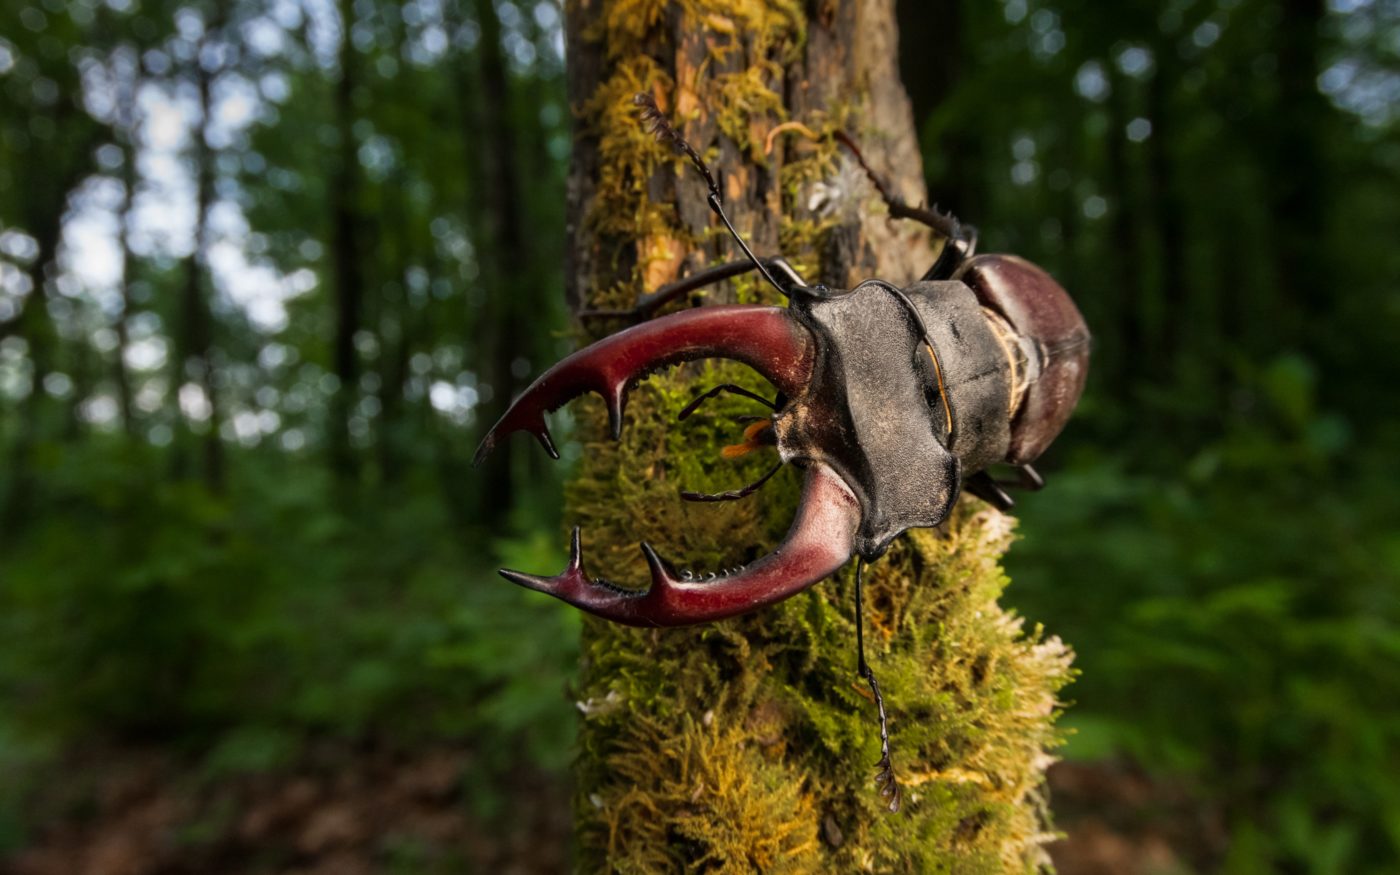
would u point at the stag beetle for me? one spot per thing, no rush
(891, 399)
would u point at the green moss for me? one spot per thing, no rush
(748, 745)
(627, 155)
(698, 795)
(972, 702)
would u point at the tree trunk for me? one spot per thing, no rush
(43, 200)
(345, 256)
(194, 342)
(933, 40)
(35, 325)
(1295, 158)
(749, 744)
(1134, 327)
(506, 258)
(122, 323)
(395, 314)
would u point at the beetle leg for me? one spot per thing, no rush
(985, 487)
(993, 491)
(885, 778)
(766, 339)
(723, 387)
(960, 239)
(736, 494)
(1029, 479)
(649, 303)
(729, 452)
(954, 253)
(822, 539)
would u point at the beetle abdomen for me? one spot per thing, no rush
(1053, 337)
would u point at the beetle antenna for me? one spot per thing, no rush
(658, 126)
(889, 786)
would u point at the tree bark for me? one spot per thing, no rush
(749, 744)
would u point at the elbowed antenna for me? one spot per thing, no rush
(657, 125)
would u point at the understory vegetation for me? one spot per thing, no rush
(268, 269)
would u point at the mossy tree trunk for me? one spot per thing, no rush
(749, 745)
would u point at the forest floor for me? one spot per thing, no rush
(339, 812)
(356, 812)
(1119, 821)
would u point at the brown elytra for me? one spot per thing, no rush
(1053, 337)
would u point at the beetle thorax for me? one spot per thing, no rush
(874, 410)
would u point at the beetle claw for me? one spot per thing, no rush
(821, 540)
(767, 339)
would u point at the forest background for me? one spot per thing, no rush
(269, 267)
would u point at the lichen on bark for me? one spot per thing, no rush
(748, 745)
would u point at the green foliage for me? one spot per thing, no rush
(189, 614)
(184, 562)
(1217, 537)
(242, 625)
(1238, 621)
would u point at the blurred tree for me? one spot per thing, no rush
(507, 259)
(128, 139)
(195, 360)
(43, 120)
(346, 253)
(185, 186)
(1298, 124)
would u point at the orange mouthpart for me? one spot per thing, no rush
(751, 440)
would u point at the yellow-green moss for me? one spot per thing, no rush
(721, 803)
(627, 154)
(748, 745)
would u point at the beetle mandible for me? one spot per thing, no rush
(892, 400)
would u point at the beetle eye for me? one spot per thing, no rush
(928, 378)
(923, 366)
